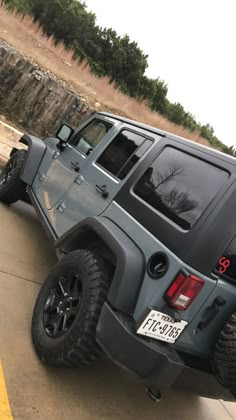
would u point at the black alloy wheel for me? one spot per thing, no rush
(68, 308)
(62, 305)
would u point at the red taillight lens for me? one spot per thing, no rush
(183, 291)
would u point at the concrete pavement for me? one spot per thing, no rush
(101, 391)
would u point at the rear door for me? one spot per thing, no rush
(99, 181)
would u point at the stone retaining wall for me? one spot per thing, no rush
(33, 98)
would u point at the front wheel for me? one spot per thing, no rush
(12, 188)
(67, 310)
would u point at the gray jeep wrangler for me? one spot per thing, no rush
(144, 227)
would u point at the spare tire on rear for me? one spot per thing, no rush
(224, 358)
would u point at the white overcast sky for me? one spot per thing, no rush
(191, 46)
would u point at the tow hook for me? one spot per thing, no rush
(154, 394)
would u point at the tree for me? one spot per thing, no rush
(110, 55)
(155, 91)
(179, 202)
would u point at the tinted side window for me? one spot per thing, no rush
(123, 153)
(180, 186)
(88, 138)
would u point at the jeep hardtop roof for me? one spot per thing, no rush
(206, 149)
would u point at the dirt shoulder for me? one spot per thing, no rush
(9, 138)
(99, 94)
(27, 39)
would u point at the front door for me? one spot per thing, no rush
(99, 181)
(59, 169)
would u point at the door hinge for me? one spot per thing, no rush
(61, 207)
(41, 177)
(55, 154)
(79, 179)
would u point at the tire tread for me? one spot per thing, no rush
(15, 189)
(80, 347)
(224, 358)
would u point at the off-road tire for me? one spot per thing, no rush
(14, 188)
(77, 346)
(224, 359)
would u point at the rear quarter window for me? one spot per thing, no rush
(180, 186)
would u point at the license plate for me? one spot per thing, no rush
(161, 326)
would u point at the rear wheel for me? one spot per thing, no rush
(12, 188)
(225, 355)
(67, 310)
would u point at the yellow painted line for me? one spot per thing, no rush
(11, 128)
(51, 213)
(5, 410)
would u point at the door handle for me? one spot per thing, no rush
(75, 166)
(102, 189)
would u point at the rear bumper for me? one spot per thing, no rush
(155, 363)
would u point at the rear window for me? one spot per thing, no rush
(180, 186)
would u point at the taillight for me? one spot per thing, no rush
(183, 291)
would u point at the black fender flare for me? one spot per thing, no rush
(35, 153)
(129, 260)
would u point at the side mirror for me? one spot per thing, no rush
(63, 134)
